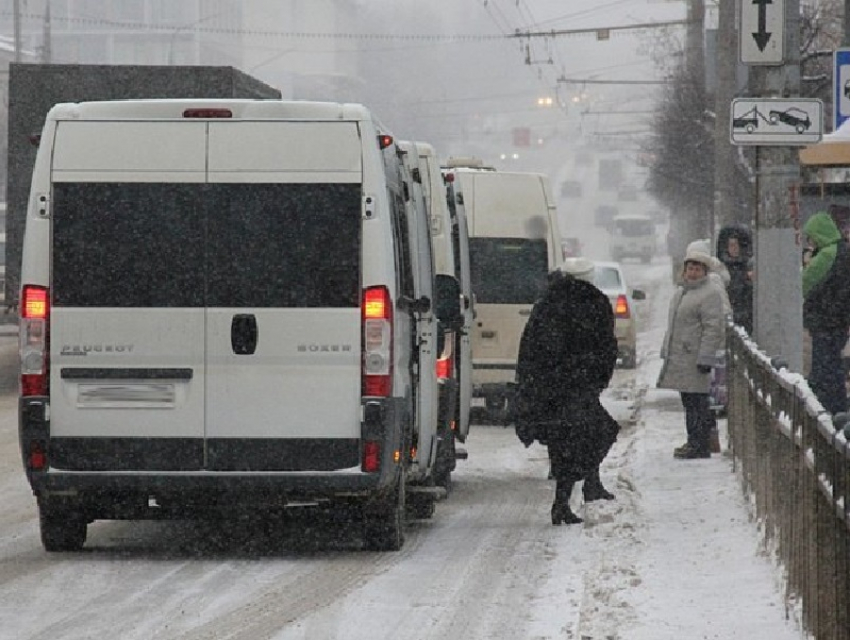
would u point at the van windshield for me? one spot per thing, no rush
(508, 270)
(215, 245)
(633, 228)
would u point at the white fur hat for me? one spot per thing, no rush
(580, 268)
(699, 256)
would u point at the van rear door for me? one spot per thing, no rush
(127, 289)
(508, 274)
(284, 280)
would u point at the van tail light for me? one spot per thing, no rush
(207, 112)
(371, 456)
(444, 367)
(34, 354)
(377, 369)
(37, 458)
(621, 309)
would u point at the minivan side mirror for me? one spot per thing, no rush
(447, 301)
(638, 294)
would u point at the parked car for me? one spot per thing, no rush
(610, 279)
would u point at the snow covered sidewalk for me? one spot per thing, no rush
(676, 556)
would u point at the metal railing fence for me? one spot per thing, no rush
(794, 467)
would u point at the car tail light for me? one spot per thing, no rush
(34, 354)
(621, 309)
(384, 141)
(377, 367)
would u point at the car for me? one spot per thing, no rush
(604, 215)
(610, 279)
(793, 117)
(571, 189)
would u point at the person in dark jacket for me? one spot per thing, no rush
(826, 309)
(735, 252)
(567, 356)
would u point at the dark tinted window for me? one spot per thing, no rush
(284, 245)
(191, 245)
(127, 245)
(508, 270)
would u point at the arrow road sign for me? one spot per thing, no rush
(762, 32)
(776, 121)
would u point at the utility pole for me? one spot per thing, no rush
(725, 212)
(699, 221)
(778, 323)
(17, 20)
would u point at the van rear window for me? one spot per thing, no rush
(635, 228)
(194, 245)
(508, 270)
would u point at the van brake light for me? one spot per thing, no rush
(377, 342)
(207, 112)
(33, 337)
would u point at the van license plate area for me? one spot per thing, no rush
(126, 396)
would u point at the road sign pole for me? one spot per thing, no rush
(778, 326)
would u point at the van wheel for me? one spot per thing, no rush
(383, 520)
(62, 528)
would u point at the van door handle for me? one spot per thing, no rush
(525, 312)
(243, 334)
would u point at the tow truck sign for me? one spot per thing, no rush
(776, 121)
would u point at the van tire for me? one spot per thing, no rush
(383, 520)
(62, 528)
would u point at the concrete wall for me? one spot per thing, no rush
(35, 88)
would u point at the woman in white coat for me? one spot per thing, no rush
(695, 333)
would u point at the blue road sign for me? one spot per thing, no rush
(840, 86)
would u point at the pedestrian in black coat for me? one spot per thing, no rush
(567, 356)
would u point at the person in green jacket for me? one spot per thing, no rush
(826, 309)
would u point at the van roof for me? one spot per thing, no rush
(241, 109)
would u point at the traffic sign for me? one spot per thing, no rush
(840, 86)
(761, 34)
(776, 121)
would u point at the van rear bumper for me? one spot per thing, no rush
(250, 478)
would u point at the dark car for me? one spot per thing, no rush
(793, 117)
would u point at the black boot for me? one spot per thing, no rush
(593, 489)
(561, 512)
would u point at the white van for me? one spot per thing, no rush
(633, 236)
(224, 303)
(514, 242)
(454, 366)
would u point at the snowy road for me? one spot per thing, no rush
(654, 564)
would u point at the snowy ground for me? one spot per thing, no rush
(675, 557)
